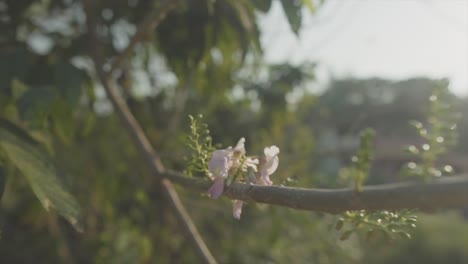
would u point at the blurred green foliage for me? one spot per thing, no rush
(361, 162)
(40, 172)
(205, 58)
(438, 239)
(439, 134)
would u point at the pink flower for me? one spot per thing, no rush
(219, 168)
(219, 163)
(216, 189)
(237, 152)
(240, 146)
(222, 160)
(233, 160)
(269, 164)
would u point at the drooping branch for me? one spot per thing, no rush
(447, 192)
(135, 130)
(156, 166)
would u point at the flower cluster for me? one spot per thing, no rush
(228, 164)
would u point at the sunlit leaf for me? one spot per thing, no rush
(42, 175)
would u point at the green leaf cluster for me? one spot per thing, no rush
(438, 134)
(389, 224)
(201, 146)
(361, 162)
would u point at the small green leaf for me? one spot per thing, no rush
(42, 175)
(292, 9)
(404, 234)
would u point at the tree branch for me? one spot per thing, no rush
(156, 166)
(148, 25)
(447, 192)
(133, 127)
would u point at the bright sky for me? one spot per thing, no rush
(394, 39)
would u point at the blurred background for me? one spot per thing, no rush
(307, 76)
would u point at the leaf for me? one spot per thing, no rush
(310, 4)
(42, 175)
(292, 9)
(262, 5)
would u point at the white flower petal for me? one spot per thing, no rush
(240, 146)
(219, 163)
(271, 151)
(269, 164)
(272, 165)
(215, 191)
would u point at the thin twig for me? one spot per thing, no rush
(135, 130)
(157, 168)
(446, 192)
(149, 23)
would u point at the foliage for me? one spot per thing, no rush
(388, 223)
(441, 119)
(440, 238)
(205, 57)
(40, 172)
(199, 142)
(439, 135)
(360, 169)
